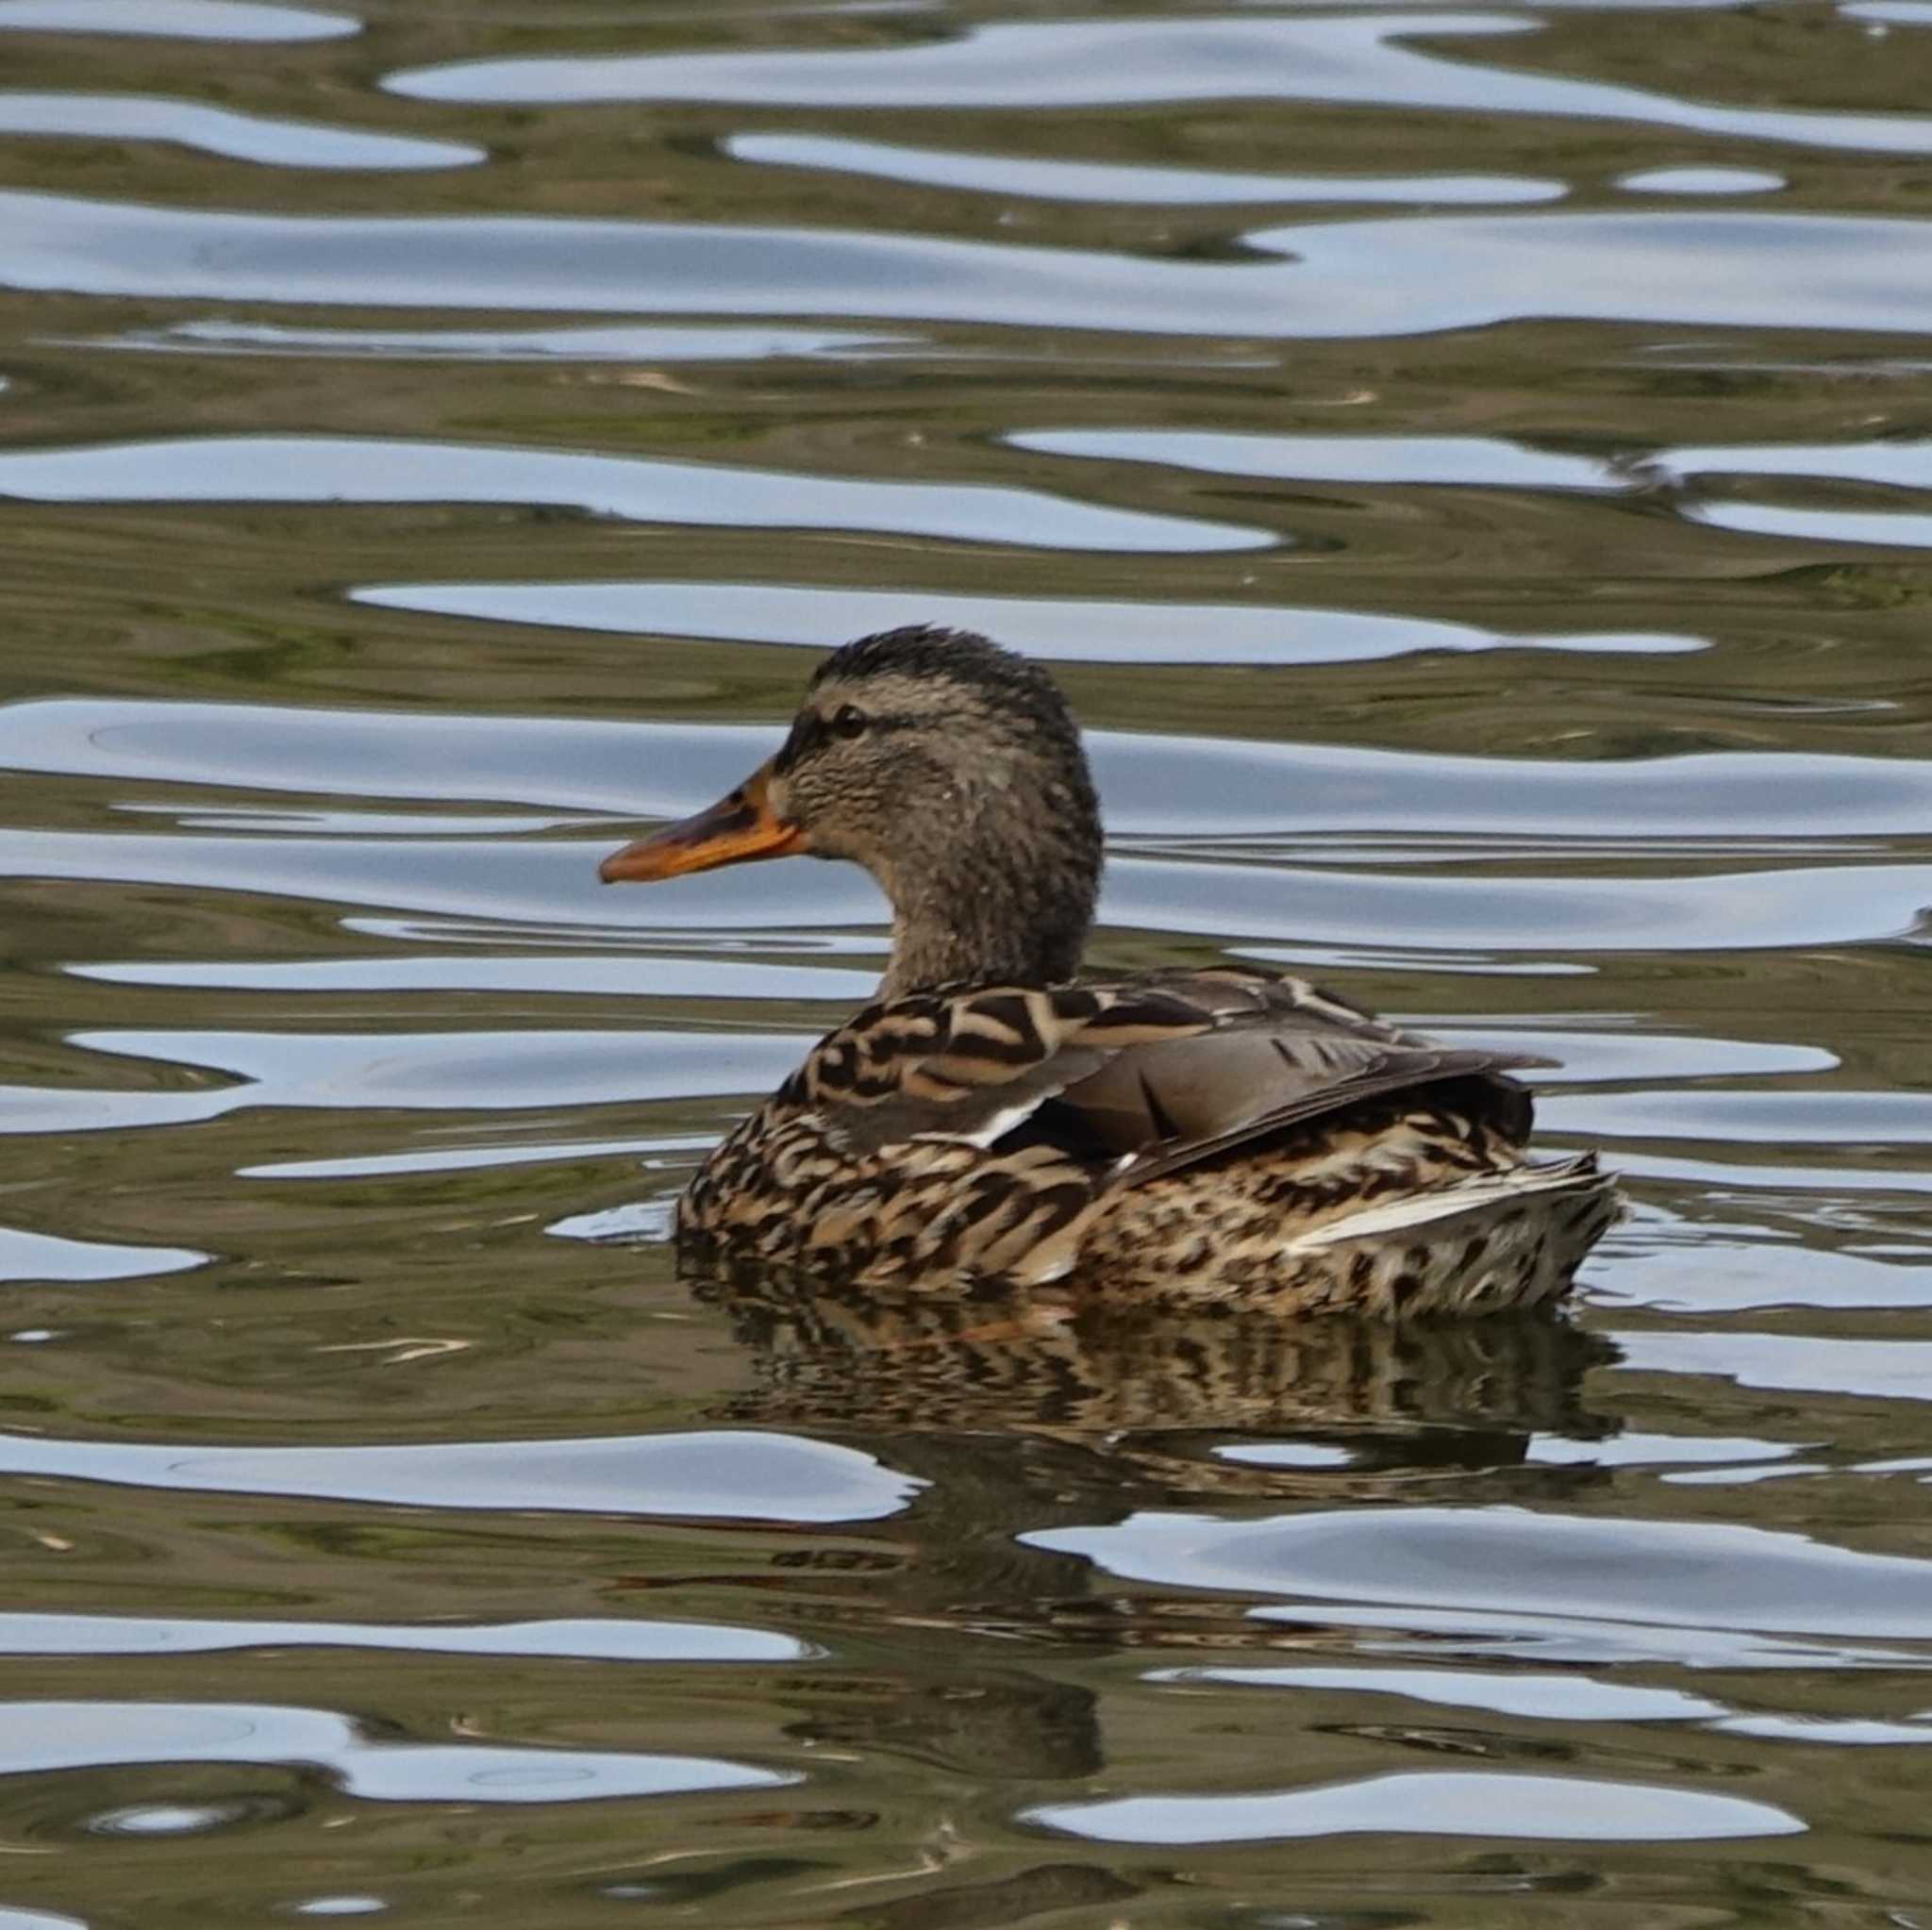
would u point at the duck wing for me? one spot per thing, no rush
(1149, 1074)
(1281, 1052)
(973, 1065)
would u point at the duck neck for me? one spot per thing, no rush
(1017, 918)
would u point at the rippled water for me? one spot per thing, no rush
(1474, 472)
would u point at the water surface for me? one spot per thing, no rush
(1470, 472)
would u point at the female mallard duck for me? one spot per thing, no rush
(1225, 1135)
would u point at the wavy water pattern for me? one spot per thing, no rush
(506, 344)
(1337, 279)
(1445, 1803)
(1468, 471)
(240, 137)
(1059, 180)
(92, 1734)
(716, 1474)
(1060, 629)
(1359, 59)
(325, 469)
(236, 21)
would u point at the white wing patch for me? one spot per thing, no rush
(996, 1125)
(1484, 1193)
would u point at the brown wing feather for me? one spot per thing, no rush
(1268, 1091)
(973, 1065)
(1172, 1069)
(1281, 1052)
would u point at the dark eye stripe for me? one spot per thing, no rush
(807, 733)
(810, 732)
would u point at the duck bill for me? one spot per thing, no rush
(735, 829)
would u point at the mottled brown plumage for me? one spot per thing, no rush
(1225, 1135)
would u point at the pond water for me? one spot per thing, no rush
(1472, 473)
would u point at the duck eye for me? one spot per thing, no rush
(849, 720)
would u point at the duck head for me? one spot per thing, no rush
(951, 770)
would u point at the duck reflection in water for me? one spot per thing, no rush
(1147, 1393)
(1214, 1137)
(1023, 1418)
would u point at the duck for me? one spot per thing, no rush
(1223, 1135)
